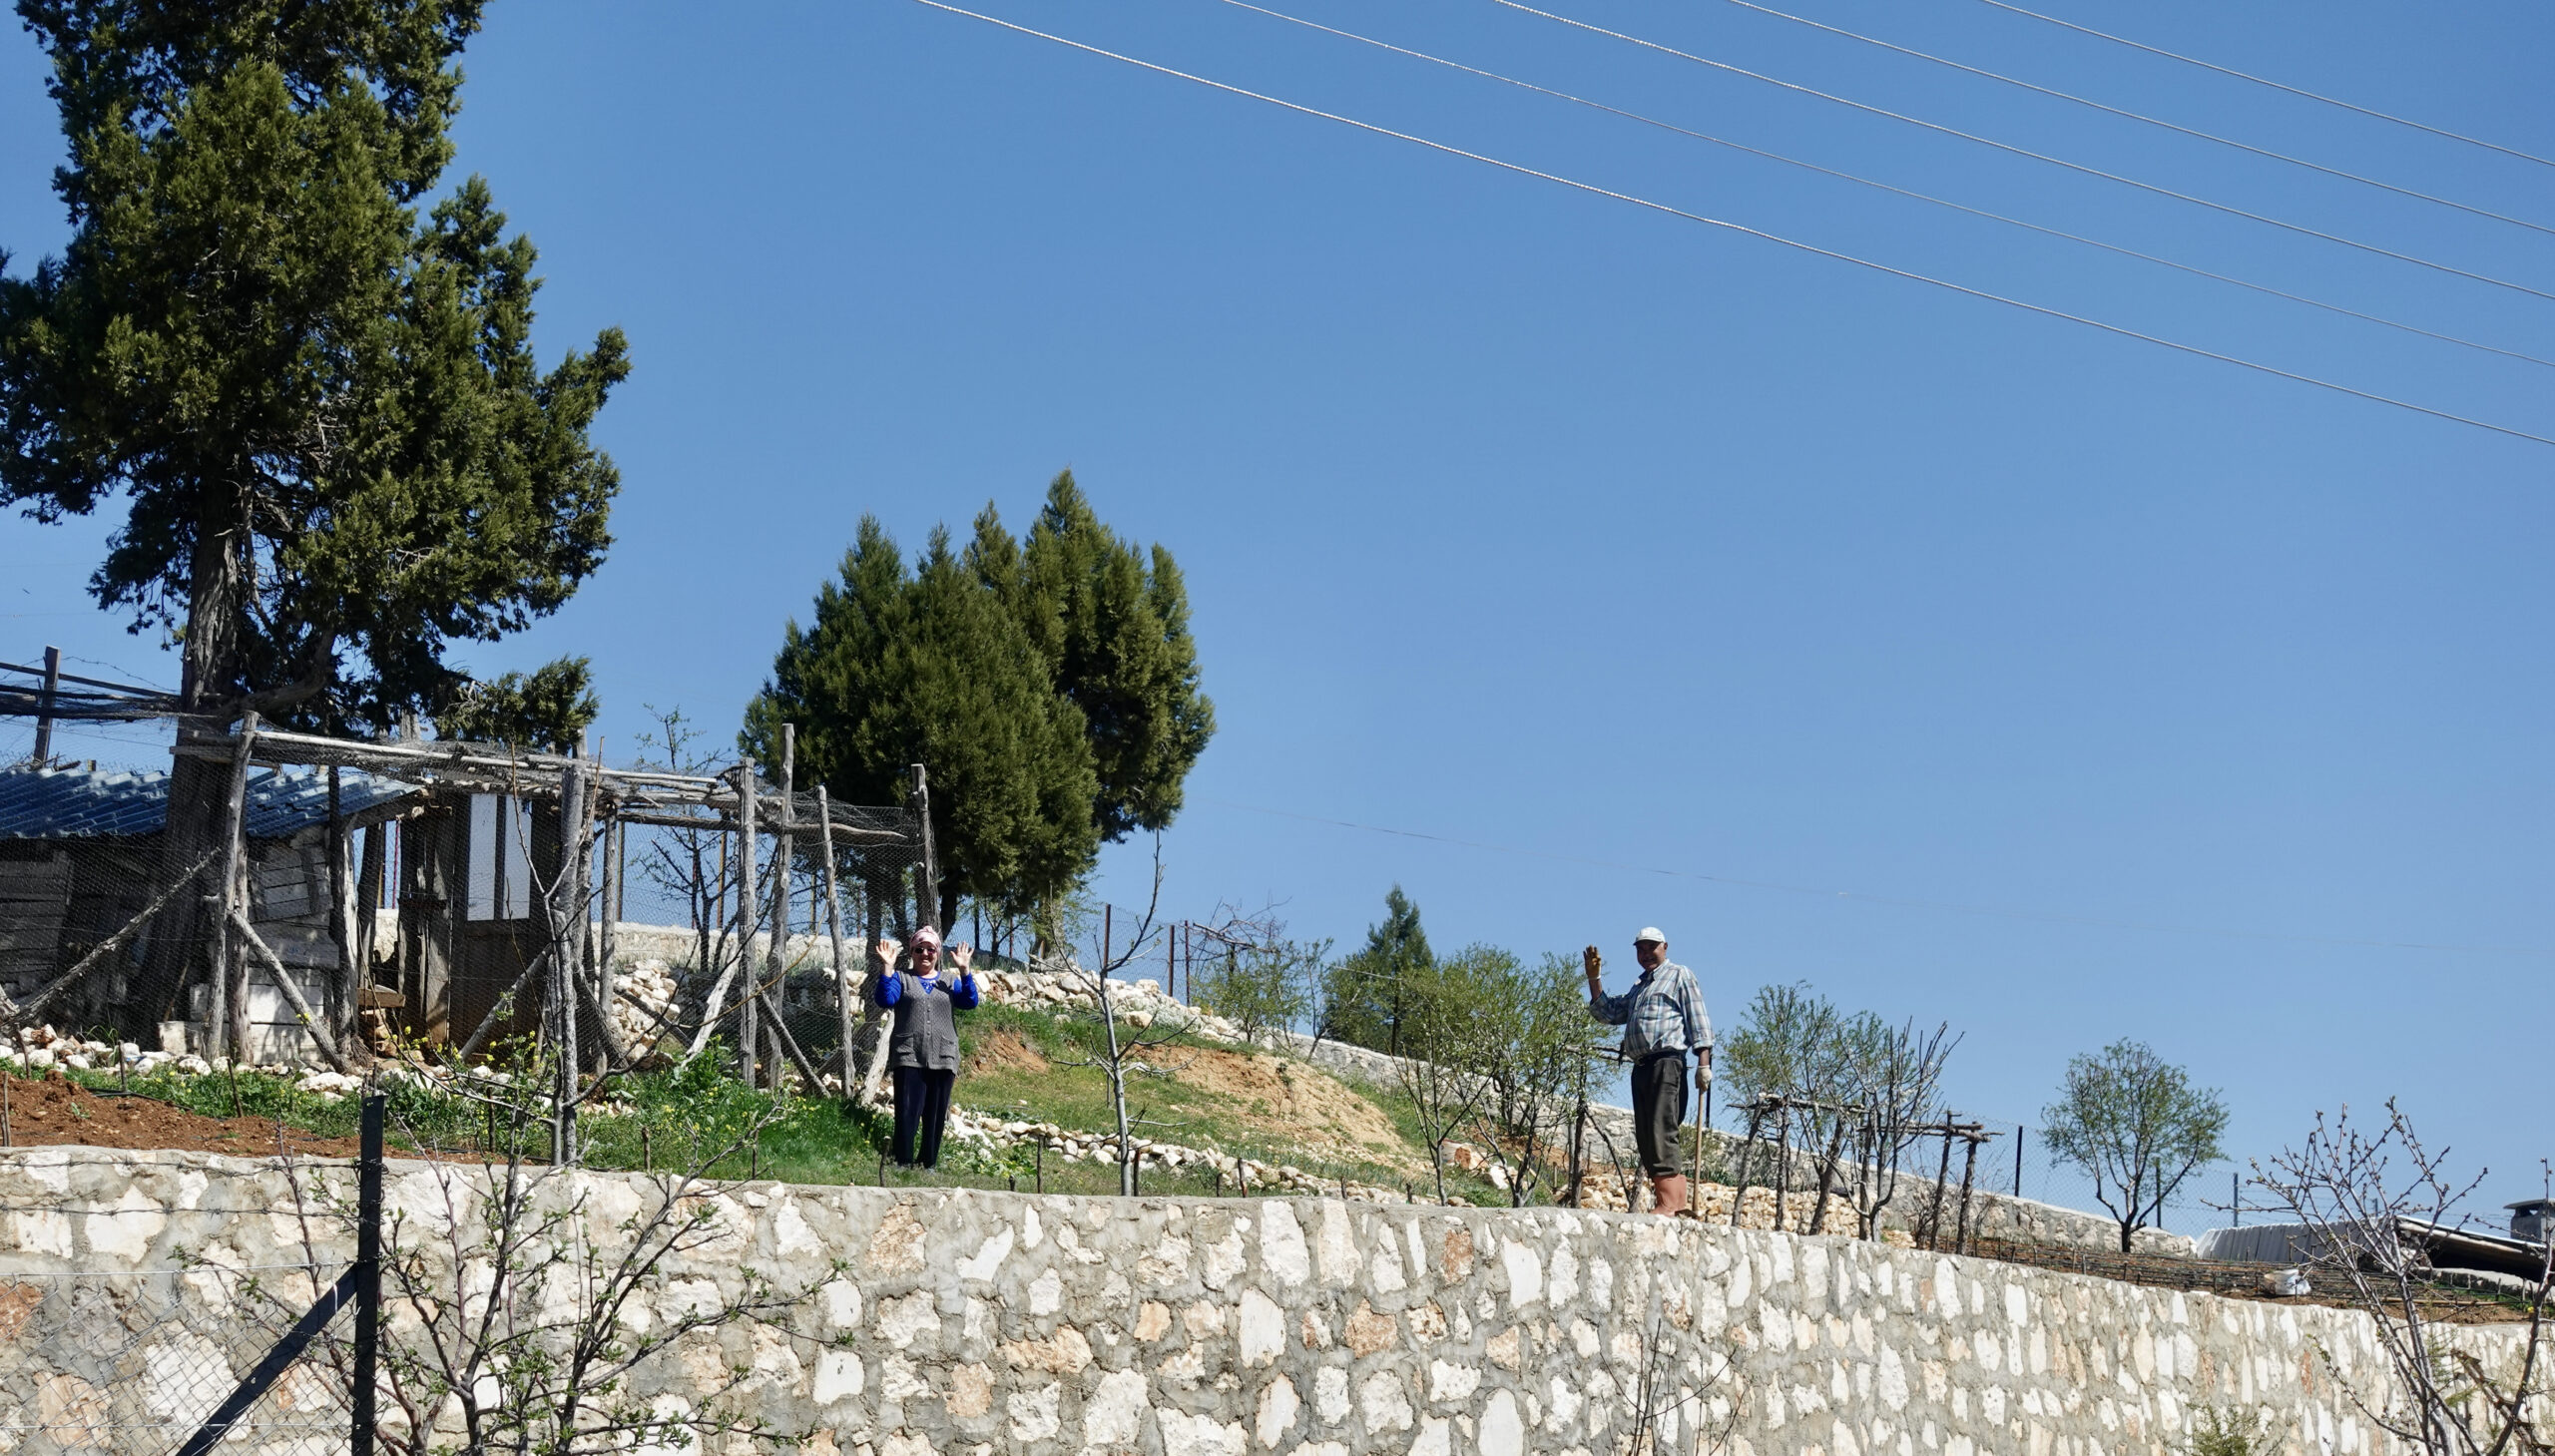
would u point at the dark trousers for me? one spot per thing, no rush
(922, 1105)
(1658, 1110)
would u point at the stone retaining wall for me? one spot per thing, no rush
(968, 1322)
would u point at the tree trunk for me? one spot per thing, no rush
(209, 688)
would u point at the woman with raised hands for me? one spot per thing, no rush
(922, 1040)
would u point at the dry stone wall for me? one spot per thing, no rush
(972, 1322)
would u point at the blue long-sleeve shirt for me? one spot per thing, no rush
(891, 989)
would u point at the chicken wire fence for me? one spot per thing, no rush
(280, 897)
(138, 1361)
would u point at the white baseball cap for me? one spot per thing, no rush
(1651, 933)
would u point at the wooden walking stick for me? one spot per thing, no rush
(1695, 1165)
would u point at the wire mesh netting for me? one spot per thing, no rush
(278, 897)
(156, 1353)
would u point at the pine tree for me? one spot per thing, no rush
(928, 667)
(1367, 996)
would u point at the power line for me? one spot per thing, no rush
(2025, 151)
(1994, 911)
(2058, 233)
(1740, 228)
(2273, 84)
(2141, 117)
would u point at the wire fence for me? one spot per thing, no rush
(131, 1360)
(285, 897)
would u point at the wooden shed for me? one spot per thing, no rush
(81, 861)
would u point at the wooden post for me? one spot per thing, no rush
(1968, 1175)
(616, 839)
(718, 893)
(1746, 1159)
(928, 912)
(784, 843)
(834, 931)
(877, 1068)
(1942, 1175)
(44, 705)
(226, 1015)
(1783, 1162)
(371, 869)
(567, 969)
(749, 1026)
(342, 931)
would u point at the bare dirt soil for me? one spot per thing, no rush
(1005, 1050)
(53, 1112)
(1290, 1102)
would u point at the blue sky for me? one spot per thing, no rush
(1518, 516)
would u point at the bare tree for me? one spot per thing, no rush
(691, 867)
(2370, 1221)
(1675, 1402)
(1783, 1064)
(1125, 1043)
(1536, 1053)
(2138, 1124)
(1892, 1077)
(1442, 1024)
(1258, 977)
(523, 1316)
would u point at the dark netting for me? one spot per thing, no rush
(341, 895)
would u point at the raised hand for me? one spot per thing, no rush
(963, 955)
(885, 950)
(1593, 961)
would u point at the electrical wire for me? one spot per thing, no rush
(1858, 181)
(1740, 228)
(2141, 116)
(2273, 84)
(1995, 911)
(2007, 147)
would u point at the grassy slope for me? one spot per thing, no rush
(1024, 1065)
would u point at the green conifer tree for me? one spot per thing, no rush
(899, 667)
(1367, 996)
(1113, 622)
(321, 410)
(547, 711)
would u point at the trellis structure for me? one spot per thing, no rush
(511, 938)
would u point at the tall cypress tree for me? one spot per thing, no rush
(1113, 620)
(320, 409)
(928, 667)
(323, 411)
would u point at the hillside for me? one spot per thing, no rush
(1209, 1113)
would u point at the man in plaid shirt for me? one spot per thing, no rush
(1663, 1020)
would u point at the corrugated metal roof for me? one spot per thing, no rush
(76, 803)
